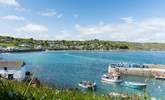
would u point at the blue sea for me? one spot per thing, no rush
(64, 69)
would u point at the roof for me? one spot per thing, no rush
(11, 64)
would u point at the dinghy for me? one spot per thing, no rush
(136, 85)
(87, 85)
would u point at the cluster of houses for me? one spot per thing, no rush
(10, 44)
(7, 45)
(30, 45)
(21, 47)
(8, 49)
(6, 39)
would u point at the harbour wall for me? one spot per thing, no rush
(146, 72)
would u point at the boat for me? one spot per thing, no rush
(135, 85)
(160, 77)
(111, 79)
(87, 85)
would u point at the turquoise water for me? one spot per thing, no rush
(66, 68)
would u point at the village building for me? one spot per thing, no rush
(38, 47)
(2, 49)
(11, 48)
(6, 39)
(26, 45)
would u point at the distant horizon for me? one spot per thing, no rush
(139, 21)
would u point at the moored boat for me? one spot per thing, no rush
(160, 76)
(136, 85)
(111, 79)
(87, 85)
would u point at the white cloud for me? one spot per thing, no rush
(51, 12)
(65, 35)
(148, 30)
(9, 2)
(15, 4)
(32, 28)
(12, 17)
(127, 19)
(153, 23)
(48, 12)
(103, 28)
(21, 9)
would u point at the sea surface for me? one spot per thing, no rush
(64, 69)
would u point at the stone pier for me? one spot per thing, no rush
(150, 71)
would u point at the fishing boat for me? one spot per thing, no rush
(110, 78)
(87, 85)
(135, 85)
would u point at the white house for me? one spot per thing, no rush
(2, 49)
(25, 45)
(38, 47)
(12, 70)
(11, 48)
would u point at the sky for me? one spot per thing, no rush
(116, 20)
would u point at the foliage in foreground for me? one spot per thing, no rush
(13, 90)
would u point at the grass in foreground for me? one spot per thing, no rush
(13, 90)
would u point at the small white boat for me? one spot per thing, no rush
(160, 76)
(111, 79)
(87, 85)
(136, 85)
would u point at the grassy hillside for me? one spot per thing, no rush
(13, 90)
(79, 45)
